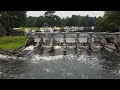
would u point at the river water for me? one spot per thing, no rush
(61, 65)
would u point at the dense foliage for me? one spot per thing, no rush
(12, 19)
(53, 20)
(110, 22)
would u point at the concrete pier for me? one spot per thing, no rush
(51, 44)
(77, 44)
(105, 44)
(91, 43)
(64, 43)
(117, 41)
(39, 44)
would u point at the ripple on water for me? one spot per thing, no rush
(85, 65)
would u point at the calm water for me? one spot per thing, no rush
(60, 65)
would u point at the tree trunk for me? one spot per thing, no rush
(8, 31)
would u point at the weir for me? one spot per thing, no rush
(68, 39)
(77, 41)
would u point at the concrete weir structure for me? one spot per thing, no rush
(77, 43)
(91, 43)
(93, 39)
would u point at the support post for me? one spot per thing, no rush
(117, 41)
(91, 43)
(51, 45)
(104, 43)
(77, 43)
(64, 43)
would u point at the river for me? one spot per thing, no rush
(61, 65)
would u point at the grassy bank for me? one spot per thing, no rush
(11, 42)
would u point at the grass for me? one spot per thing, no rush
(11, 42)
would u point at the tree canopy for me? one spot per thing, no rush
(109, 22)
(40, 21)
(11, 19)
(31, 21)
(77, 20)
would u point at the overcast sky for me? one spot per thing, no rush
(68, 13)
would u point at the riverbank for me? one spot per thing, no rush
(11, 42)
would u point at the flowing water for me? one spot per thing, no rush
(61, 65)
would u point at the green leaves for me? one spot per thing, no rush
(40, 21)
(76, 20)
(12, 19)
(31, 21)
(110, 22)
(2, 30)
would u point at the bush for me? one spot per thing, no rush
(2, 31)
(103, 25)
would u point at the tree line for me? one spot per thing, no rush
(110, 22)
(53, 20)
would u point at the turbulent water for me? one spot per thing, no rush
(60, 65)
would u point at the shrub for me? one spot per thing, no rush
(2, 31)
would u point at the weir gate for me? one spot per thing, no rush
(76, 39)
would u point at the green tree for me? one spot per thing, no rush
(2, 30)
(56, 21)
(102, 25)
(109, 22)
(113, 16)
(11, 19)
(51, 19)
(65, 21)
(40, 21)
(77, 20)
(31, 21)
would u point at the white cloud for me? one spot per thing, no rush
(68, 13)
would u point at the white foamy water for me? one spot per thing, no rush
(57, 47)
(3, 56)
(47, 70)
(87, 59)
(31, 47)
(82, 59)
(7, 57)
(37, 58)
